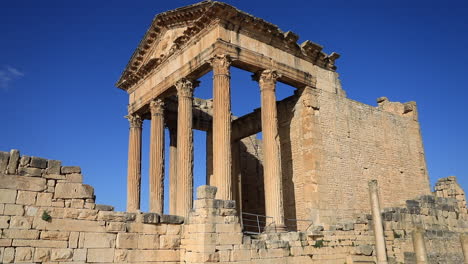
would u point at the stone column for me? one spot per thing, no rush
(156, 166)
(377, 223)
(134, 163)
(172, 170)
(272, 172)
(209, 155)
(464, 244)
(419, 246)
(184, 147)
(221, 127)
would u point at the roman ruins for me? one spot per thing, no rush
(331, 181)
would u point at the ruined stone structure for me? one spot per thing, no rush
(333, 180)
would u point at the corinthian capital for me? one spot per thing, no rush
(220, 64)
(156, 107)
(185, 87)
(266, 79)
(135, 120)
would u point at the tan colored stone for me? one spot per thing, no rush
(67, 190)
(20, 222)
(44, 199)
(112, 216)
(23, 254)
(74, 177)
(39, 243)
(69, 225)
(127, 240)
(64, 254)
(7, 196)
(55, 235)
(79, 255)
(116, 227)
(9, 255)
(100, 255)
(77, 203)
(26, 198)
(4, 221)
(5, 242)
(42, 254)
(13, 209)
(120, 255)
(25, 183)
(148, 241)
(152, 255)
(99, 240)
(169, 241)
(156, 170)
(134, 163)
(73, 239)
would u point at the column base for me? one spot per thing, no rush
(273, 228)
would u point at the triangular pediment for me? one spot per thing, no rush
(171, 30)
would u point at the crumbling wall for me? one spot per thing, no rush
(48, 215)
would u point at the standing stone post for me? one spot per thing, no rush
(464, 244)
(156, 166)
(172, 170)
(134, 163)
(377, 222)
(271, 151)
(184, 147)
(419, 246)
(221, 126)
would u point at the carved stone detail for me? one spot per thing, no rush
(135, 120)
(220, 64)
(185, 87)
(157, 107)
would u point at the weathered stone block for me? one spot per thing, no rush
(13, 161)
(171, 219)
(23, 183)
(62, 254)
(116, 227)
(74, 177)
(42, 254)
(37, 162)
(53, 166)
(9, 255)
(148, 241)
(79, 255)
(100, 255)
(20, 222)
(70, 169)
(150, 218)
(116, 216)
(44, 199)
(99, 240)
(55, 235)
(26, 198)
(32, 172)
(24, 161)
(103, 207)
(4, 157)
(169, 241)
(73, 190)
(54, 176)
(13, 209)
(206, 192)
(69, 225)
(20, 234)
(23, 254)
(127, 240)
(153, 255)
(7, 196)
(4, 221)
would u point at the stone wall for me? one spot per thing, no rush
(47, 215)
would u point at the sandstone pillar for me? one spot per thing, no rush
(221, 127)
(271, 152)
(464, 244)
(377, 222)
(209, 155)
(172, 170)
(184, 147)
(134, 163)
(419, 246)
(156, 155)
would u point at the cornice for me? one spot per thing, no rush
(198, 17)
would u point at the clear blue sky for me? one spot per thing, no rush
(59, 61)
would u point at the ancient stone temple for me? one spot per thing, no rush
(331, 181)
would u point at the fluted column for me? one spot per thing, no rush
(419, 246)
(271, 151)
(377, 222)
(464, 244)
(172, 170)
(209, 156)
(134, 163)
(184, 147)
(156, 166)
(222, 127)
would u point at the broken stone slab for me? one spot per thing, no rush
(70, 169)
(104, 207)
(53, 166)
(171, 219)
(112, 216)
(32, 172)
(37, 162)
(23, 183)
(206, 192)
(65, 190)
(4, 157)
(13, 162)
(151, 218)
(24, 161)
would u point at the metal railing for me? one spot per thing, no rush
(255, 224)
